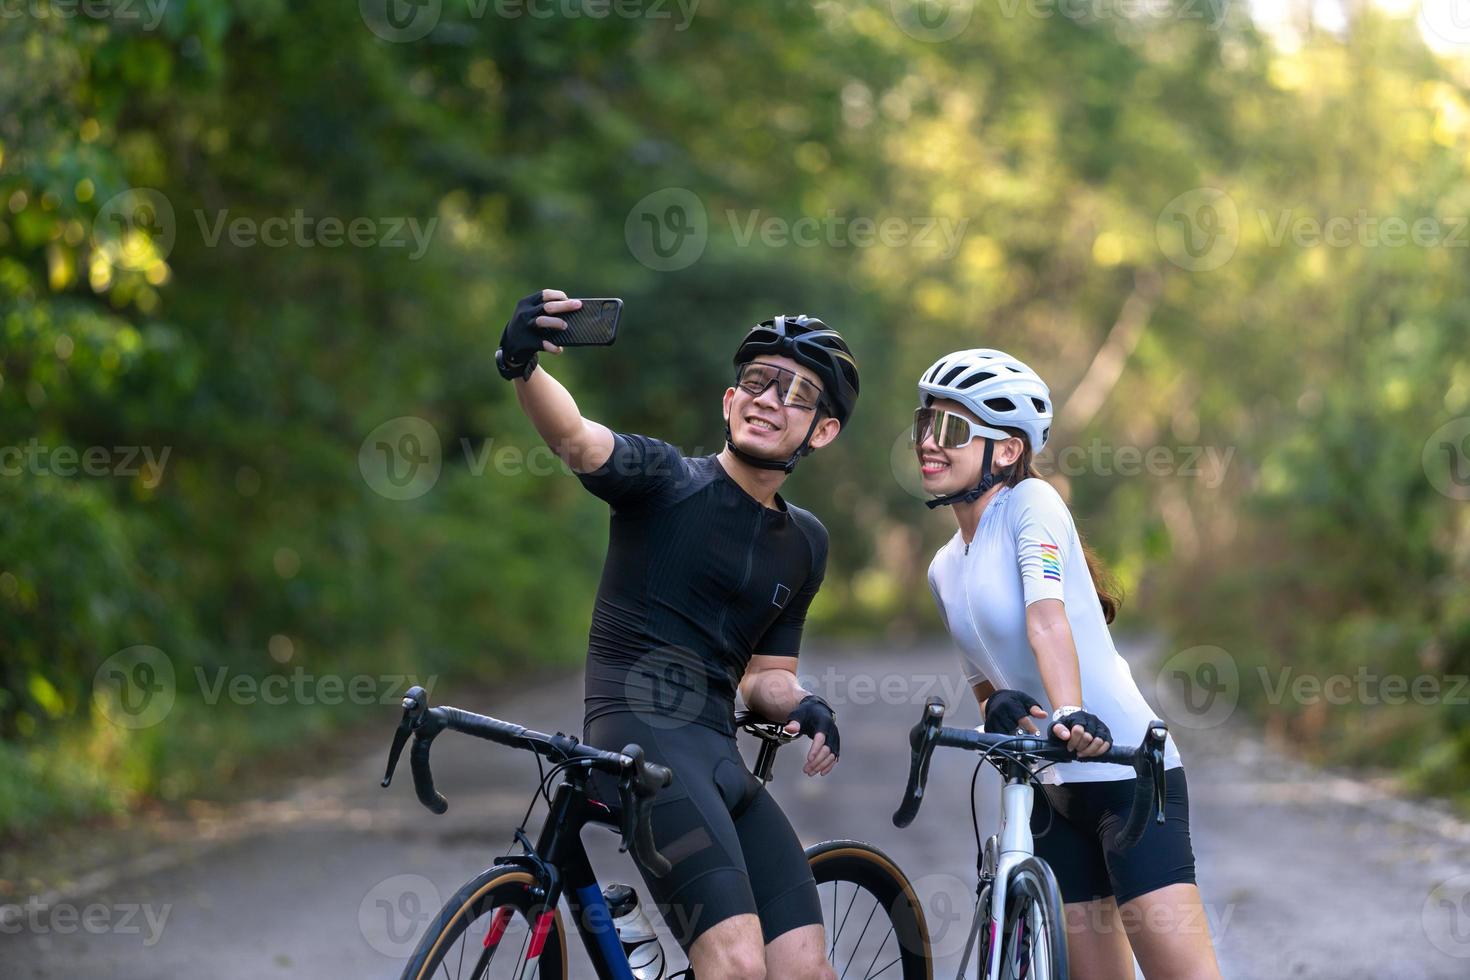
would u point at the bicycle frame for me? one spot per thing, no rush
(1003, 852)
(560, 864)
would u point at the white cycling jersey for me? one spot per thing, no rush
(1025, 549)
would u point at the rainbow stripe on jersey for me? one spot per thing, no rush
(1051, 563)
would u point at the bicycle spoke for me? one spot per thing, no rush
(833, 951)
(521, 957)
(846, 912)
(858, 945)
(885, 969)
(881, 947)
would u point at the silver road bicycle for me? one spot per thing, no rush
(1018, 930)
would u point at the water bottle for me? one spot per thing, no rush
(640, 943)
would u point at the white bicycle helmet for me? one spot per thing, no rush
(999, 389)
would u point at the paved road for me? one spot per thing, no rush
(1304, 874)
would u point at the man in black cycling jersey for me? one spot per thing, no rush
(705, 589)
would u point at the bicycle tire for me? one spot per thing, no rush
(501, 898)
(839, 862)
(1033, 925)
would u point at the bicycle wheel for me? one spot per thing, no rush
(1034, 942)
(872, 916)
(488, 930)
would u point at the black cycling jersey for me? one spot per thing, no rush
(699, 577)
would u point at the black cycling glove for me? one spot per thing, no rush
(1006, 709)
(1090, 723)
(520, 342)
(816, 716)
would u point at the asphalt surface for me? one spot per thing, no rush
(1303, 873)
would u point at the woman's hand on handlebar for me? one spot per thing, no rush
(1084, 732)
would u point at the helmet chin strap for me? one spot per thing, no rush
(760, 462)
(969, 496)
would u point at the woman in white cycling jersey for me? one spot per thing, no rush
(1020, 594)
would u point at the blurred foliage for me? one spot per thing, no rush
(1054, 145)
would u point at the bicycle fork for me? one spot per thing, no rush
(1002, 853)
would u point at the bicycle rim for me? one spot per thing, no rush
(874, 923)
(491, 930)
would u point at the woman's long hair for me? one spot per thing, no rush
(1108, 595)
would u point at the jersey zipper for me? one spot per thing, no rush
(745, 578)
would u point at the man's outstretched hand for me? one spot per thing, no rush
(524, 337)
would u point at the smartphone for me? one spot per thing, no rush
(594, 325)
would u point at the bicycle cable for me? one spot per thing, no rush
(1019, 758)
(542, 791)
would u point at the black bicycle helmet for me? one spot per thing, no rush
(816, 346)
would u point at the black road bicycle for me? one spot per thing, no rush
(506, 922)
(1017, 928)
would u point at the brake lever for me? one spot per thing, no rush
(415, 702)
(1157, 733)
(921, 750)
(637, 791)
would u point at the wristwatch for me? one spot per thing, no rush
(1064, 711)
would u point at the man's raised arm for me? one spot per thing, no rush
(582, 444)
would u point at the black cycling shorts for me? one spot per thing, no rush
(1077, 835)
(733, 851)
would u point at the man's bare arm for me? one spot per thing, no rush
(771, 690)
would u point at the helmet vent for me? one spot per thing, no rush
(951, 374)
(1000, 404)
(1045, 433)
(973, 380)
(1013, 369)
(1040, 405)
